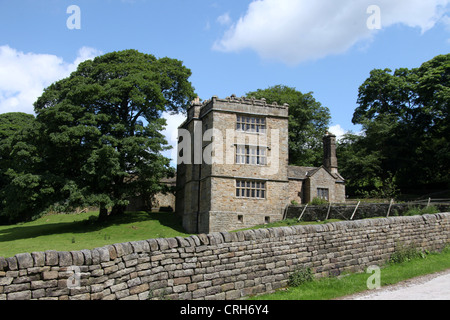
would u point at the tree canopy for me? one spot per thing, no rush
(308, 123)
(406, 122)
(12, 126)
(97, 138)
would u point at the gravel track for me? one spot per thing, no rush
(435, 286)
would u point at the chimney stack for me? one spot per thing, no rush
(329, 153)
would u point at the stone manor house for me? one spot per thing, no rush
(233, 167)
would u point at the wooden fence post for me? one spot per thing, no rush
(390, 206)
(301, 216)
(285, 211)
(328, 213)
(355, 210)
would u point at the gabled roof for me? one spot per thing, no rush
(302, 173)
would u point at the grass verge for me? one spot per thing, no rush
(348, 284)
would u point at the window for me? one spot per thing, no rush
(251, 124)
(251, 155)
(250, 189)
(323, 193)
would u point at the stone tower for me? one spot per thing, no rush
(232, 164)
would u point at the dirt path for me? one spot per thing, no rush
(430, 287)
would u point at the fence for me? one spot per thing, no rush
(360, 210)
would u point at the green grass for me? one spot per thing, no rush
(289, 222)
(83, 231)
(415, 211)
(70, 232)
(336, 287)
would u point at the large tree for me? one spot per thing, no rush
(99, 130)
(308, 123)
(364, 160)
(415, 104)
(12, 129)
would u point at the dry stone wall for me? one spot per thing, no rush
(225, 266)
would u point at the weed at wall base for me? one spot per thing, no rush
(300, 276)
(405, 253)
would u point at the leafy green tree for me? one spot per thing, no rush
(308, 123)
(12, 126)
(360, 167)
(13, 122)
(363, 158)
(415, 146)
(98, 139)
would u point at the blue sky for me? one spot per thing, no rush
(232, 47)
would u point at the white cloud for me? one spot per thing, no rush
(224, 19)
(171, 134)
(294, 31)
(338, 131)
(24, 76)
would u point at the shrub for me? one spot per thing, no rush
(300, 276)
(415, 211)
(318, 201)
(405, 253)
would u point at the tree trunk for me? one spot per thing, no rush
(103, 214)
(118, 210)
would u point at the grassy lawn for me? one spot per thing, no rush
(336, 287)
(83, 231)
(71, 232)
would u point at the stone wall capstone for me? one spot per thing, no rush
(221, 265)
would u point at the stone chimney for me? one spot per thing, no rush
(329, 153)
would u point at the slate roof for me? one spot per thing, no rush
(302, 173)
